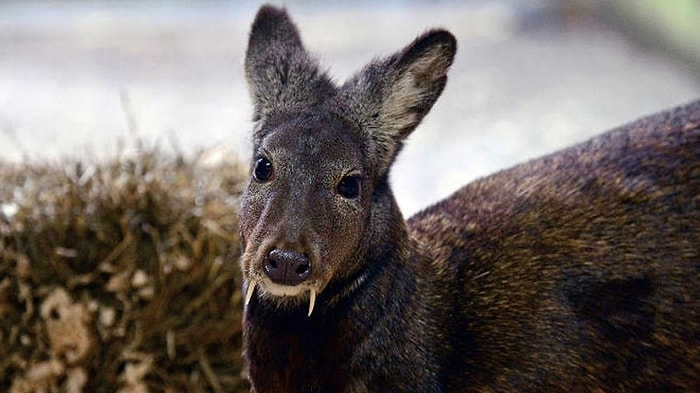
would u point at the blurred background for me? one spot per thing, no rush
(90, 79)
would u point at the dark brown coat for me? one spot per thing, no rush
(578, 271)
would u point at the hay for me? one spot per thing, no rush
(121, 276)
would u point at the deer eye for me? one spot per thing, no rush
(349, 186)
(262, 171)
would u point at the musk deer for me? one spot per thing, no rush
(575, 272)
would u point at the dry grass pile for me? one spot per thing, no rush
(120, 277)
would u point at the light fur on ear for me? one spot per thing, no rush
(390, 97)
(282, 77)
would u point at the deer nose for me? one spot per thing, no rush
(287, 267)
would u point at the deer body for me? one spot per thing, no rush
(578, 271)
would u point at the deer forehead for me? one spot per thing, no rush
(314, 144)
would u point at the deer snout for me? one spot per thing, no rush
(287, 267)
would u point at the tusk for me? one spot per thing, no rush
(249, 292)
(312, 300)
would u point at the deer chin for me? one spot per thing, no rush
(277, 290)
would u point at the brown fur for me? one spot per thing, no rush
(574, 272)
(579, 271)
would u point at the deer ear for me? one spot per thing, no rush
(390, 97)
(282, 77)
